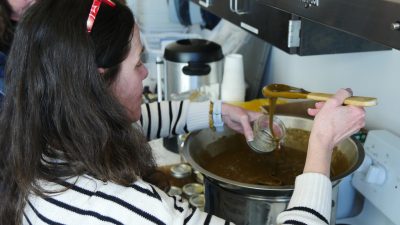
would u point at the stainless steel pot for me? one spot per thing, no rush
(191, 64)
(252, 204)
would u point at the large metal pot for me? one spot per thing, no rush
(244, 203)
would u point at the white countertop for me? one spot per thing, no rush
(162, 155)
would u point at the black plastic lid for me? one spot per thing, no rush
(193, 50)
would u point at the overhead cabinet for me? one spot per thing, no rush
(375, 20)
(288, 31)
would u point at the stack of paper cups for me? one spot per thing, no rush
(233, 86)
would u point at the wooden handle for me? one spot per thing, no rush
(354, 100)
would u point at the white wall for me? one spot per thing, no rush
(374, 74)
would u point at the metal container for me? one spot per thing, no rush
(181, 170)
(192, 189)
(199, 177)
(197, 201)
(244, 203)
(191, 64)
(173, 190)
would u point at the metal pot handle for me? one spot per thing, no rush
(196, 69)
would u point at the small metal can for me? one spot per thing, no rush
(192, 189)
(181, 170)
(199, 177)
(198, 201)
(174, 190)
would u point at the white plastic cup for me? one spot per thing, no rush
(233, 86)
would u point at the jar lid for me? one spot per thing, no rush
(192, 189)
(174, 190)
(197, 201)
(193, 50)
(199, 176)
(181, 170)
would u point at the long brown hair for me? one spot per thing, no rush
(56, 99)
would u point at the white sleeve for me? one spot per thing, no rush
(181, 212)
(311, 201)
(169, 118)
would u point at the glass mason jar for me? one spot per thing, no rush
(264, 140)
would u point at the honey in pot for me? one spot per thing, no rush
(241, 164)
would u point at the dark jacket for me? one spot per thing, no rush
(3, 58)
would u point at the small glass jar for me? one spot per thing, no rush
(192, 189)
(198, 201)
(173, 190)
(264, 140)
(181, 170)
(199, 177)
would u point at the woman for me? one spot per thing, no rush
(69, 154)
(10, 12)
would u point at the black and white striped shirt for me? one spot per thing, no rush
(169, 118)
(91, 201)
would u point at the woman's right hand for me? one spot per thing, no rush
(333, 122)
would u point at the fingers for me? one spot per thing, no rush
(253, 115)
(359, 115)
(247, 130)
(239, 119)
(241, 125)
(349, 90)
(319, 105)
(314, 111)
(340, 96)
(245, 120)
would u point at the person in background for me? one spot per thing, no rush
(10, 13)
(2, 64)
(69, 153)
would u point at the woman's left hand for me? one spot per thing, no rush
(239, 119)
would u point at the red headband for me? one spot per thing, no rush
(94, 10)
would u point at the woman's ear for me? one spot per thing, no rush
(101, 70)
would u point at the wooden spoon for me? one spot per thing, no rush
(286, 91)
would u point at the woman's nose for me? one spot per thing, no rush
(145, 72)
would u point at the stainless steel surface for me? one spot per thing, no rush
(294, 33)
(239, 7)
(248, 203)
(395, 26)
(205, 3)
(178, 82)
